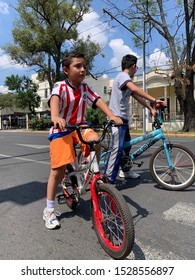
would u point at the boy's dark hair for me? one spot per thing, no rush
(67, 58)
(127, 61)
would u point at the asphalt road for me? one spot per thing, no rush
(164, 220)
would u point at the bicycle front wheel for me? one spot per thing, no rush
(113, 222)
(178, 177)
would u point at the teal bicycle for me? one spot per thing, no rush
(172, 166)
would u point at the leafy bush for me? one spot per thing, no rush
(96, 117)
(39, 124)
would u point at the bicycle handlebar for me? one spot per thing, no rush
(79, 127)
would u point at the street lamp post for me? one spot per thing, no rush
(145, 110)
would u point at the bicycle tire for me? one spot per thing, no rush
(112, 222)
(181, 176)
(69, 188)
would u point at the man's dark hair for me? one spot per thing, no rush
(67, 58)
(127, 61)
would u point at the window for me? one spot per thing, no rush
(46, 93)
(105, 90)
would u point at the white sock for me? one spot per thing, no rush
(50, 204)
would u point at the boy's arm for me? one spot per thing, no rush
(143, 102)
(137, 91)
(106, 110)
(54, 107)
(140, 95)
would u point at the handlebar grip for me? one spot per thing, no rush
(156, 105)
(159, 106)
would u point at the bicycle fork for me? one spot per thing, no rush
(167, 154)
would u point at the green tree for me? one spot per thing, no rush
(13, 82)
(6, 101)
(25, 92)
(177, 28)
(96, 117)
(45, 30)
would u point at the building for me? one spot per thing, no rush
(158, 84)
(44, 93)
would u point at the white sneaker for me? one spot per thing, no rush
(128, 175)
(49, 216)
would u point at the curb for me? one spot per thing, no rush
(174, 134)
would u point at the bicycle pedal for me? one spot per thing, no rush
(61, 199)
(81, 191)
(138, 164)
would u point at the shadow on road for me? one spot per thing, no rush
(24, 194)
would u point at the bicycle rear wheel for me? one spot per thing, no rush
(69, 188)
(113, 222)
(181, 176)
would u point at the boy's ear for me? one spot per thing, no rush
(65, 70)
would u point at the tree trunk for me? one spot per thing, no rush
(187, 103)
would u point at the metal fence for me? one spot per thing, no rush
(137, 121)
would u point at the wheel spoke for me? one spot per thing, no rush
(182, 172)
(111, 220)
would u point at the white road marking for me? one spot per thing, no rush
(25, 159)
(182, 212)
(145, 252)
(34, 146)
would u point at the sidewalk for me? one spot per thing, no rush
(170, 133)
(25, 131)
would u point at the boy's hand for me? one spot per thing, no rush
(154, 113)
(117, 120)
(59, 122)
(161, 102)
(158, 103)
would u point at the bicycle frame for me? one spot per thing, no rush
(154, 135)
(91, 169)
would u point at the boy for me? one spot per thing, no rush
(123, 88)
(68, 103)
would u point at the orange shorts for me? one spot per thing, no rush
(62, 149)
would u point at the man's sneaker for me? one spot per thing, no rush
(128, 175)
(49, 216)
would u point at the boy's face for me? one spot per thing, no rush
(132, 70)
(76, 71)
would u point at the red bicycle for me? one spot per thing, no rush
(111, 217)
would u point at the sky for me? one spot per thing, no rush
(114, 39)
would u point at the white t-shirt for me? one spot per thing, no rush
(120, 96)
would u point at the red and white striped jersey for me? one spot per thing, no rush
(74, 102)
